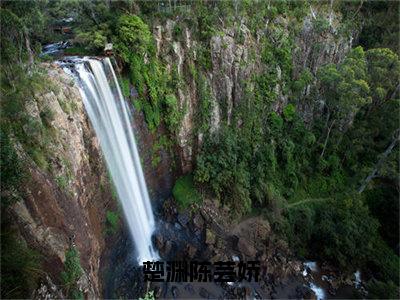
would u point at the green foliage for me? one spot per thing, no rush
(72, 272)
(177, 31)
(380, 25)
(93, 40)
(20, 265)
(382, 290)
(340, 230)
(383, 262)
(321, 24)
(148, 296)
(305, 78)
(222, 165)
(125, 87)
(384, 205)
(135, 45)
(12, 37)
(112, 221)
(203, 117)
(12, 172)
(344, 232)
(289, 112)
(62, 182)
(184, 192)
(134, 37)
(174, 114)
(47, 116)
(383, 70)
(162, 144)
(79, 50)
(344, 86)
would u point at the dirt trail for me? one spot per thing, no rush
(305, 201)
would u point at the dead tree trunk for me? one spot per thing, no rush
(396, 138)
(327, 138)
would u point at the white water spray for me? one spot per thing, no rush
(109, 115)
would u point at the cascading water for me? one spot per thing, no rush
(109, 115)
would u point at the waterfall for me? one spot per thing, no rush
(110, 117)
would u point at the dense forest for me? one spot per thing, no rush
(306, 139)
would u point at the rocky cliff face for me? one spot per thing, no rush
(68, 195)
(236, 57)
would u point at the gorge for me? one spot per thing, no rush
(207, 131)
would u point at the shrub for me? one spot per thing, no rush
(344, 231)
(134, 37)
(184, 192)
(72, 272)
(148, 296)
(382, 290)
(289, 112)
(112, 220)
(173, 114)
(19, 266)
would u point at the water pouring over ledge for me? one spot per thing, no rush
(110, 118)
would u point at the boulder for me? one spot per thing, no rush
(210, 237)
(262, 229)
(191, 251)
(159, 241)
(189, 288)
(304, 292)
(169, 209)
(175, 292)
(167, 248)
(206, 294)
(246, 248)
(198, 221)
(183, 218)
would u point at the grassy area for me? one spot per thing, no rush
(72, 272)
(184, 191)
(112, 222)
(77, 50)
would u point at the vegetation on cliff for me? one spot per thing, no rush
(328, 183)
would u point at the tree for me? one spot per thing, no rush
(133, 37)
(344, 231)
(345, 90)
(384, 72)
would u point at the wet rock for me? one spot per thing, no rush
(170, 210)
(48, 290)
(332, 291)
(159, 241)
(157, 292)
(247, 292)
(334, 283)
(175, 292)
(189, 288)
(304, 292)
(198, 221)
(183, 218)
(215, 258)
(191, 251)
(167, 248)
(246, 248)
(263, 257)
(296, 266)
(206, 294)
